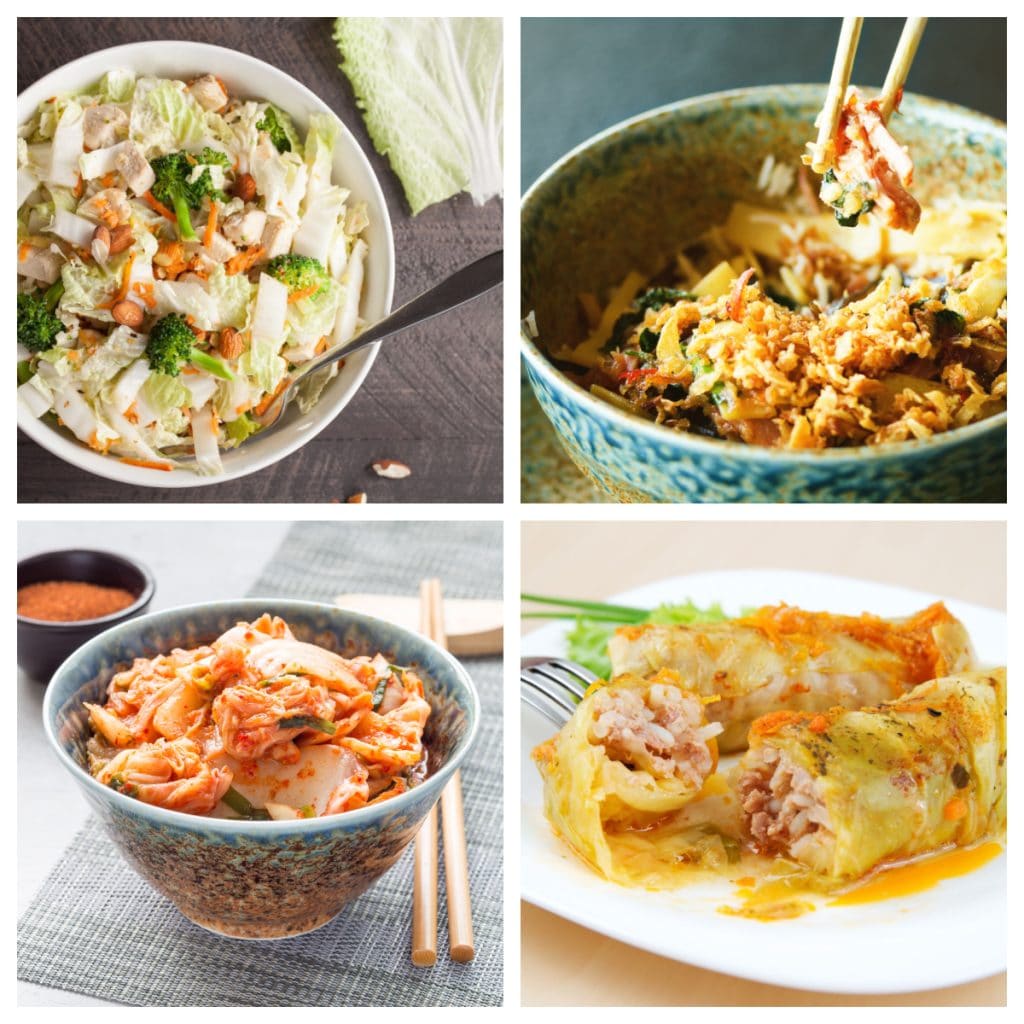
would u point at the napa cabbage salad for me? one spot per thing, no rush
(180, 253)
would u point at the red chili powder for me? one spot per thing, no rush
(70, 600)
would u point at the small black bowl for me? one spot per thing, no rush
(43, 645)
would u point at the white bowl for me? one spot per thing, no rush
(248, 78)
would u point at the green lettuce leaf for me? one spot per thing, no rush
(165, 117)
(262, 363)
(587, 641)
(117, 86)
(431, 92)
(233, 295)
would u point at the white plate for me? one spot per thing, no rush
(952, 933)
(248, 78)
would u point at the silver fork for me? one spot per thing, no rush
(465, 284)
(553, 686)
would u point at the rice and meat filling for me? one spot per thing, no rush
(847, 790)
(660, 730)
(901, 362)
(785, 814)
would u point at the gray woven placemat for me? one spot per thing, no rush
(96, 928)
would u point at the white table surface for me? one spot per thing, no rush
(190, 561)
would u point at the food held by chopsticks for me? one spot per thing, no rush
(865, 170)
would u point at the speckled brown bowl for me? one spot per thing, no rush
(261, 879)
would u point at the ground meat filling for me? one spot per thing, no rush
(784, 814)
(659, 730)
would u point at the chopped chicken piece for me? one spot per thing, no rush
(245, 227)
(39, 264)
(104, 125)
(135, 169)
(277, 237)
(220, 249)
(109, 206)
(209, 93)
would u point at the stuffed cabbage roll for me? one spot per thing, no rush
(845, 791)
(634, 750)
(784, 657)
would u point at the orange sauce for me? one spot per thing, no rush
(920, 875)
(778, 899)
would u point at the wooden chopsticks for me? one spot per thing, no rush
(424, 908)
(842, 68)
(913, 29)
(424, 877)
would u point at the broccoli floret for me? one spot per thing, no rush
(214, 156)
(273, 127)
(171, 343)
(38, 325)
(172, 186)
(299, 273)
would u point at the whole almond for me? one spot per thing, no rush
(391, 468)
(245, 188)
(99, 249)
(120, 239)
(128, 313)
(231, 344)
(359, 498)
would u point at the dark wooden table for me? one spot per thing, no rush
(433, 398)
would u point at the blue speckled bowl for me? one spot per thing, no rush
(631, 196)
(252, 879)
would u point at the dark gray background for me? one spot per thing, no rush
(433, 398)
(582, 75)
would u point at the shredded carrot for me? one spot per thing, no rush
(955, 809)
(735, 304)
(24, 251)
(321, 345)
(109, 179)
(79, 187)
(211, 224)
(155, 203)
(122, 292)
(264, 403)
(819, 723)
(126, 275)
(107, 214)
(303, 293)
(244, 260)
(164, 467)
(771, 723)
(144, 290)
